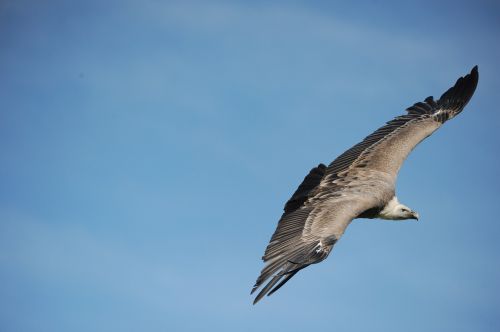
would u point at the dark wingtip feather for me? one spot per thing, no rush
(474, 74)
(283, 276)
(453, 100)
(460, 94)
(267, 288)
(284, 281)
(303, 255)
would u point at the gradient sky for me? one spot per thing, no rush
(147, 149)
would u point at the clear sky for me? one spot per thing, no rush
(147, 149)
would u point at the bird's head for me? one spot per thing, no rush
(397, 211)
(403, 212)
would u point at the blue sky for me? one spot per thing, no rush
(147, 149)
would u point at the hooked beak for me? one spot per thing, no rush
(414, 215)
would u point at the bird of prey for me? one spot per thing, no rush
(360, 183)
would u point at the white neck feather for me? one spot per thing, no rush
(390, 209)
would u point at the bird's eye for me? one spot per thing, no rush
(405, 210)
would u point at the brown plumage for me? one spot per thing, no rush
(359, 183)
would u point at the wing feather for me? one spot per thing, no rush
(421, 120)
(310, 182)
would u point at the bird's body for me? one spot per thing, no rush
(360, 183)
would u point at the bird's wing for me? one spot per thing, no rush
(328, 199)
(301, 240)
(310, 182)
(387, 148)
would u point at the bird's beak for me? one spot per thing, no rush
(414, 215)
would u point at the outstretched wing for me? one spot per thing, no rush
(299, 239)
(361, 178)
(387, 148)
(286, 238)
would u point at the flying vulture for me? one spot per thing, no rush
(360, 183)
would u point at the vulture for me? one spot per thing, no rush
(360, 183)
